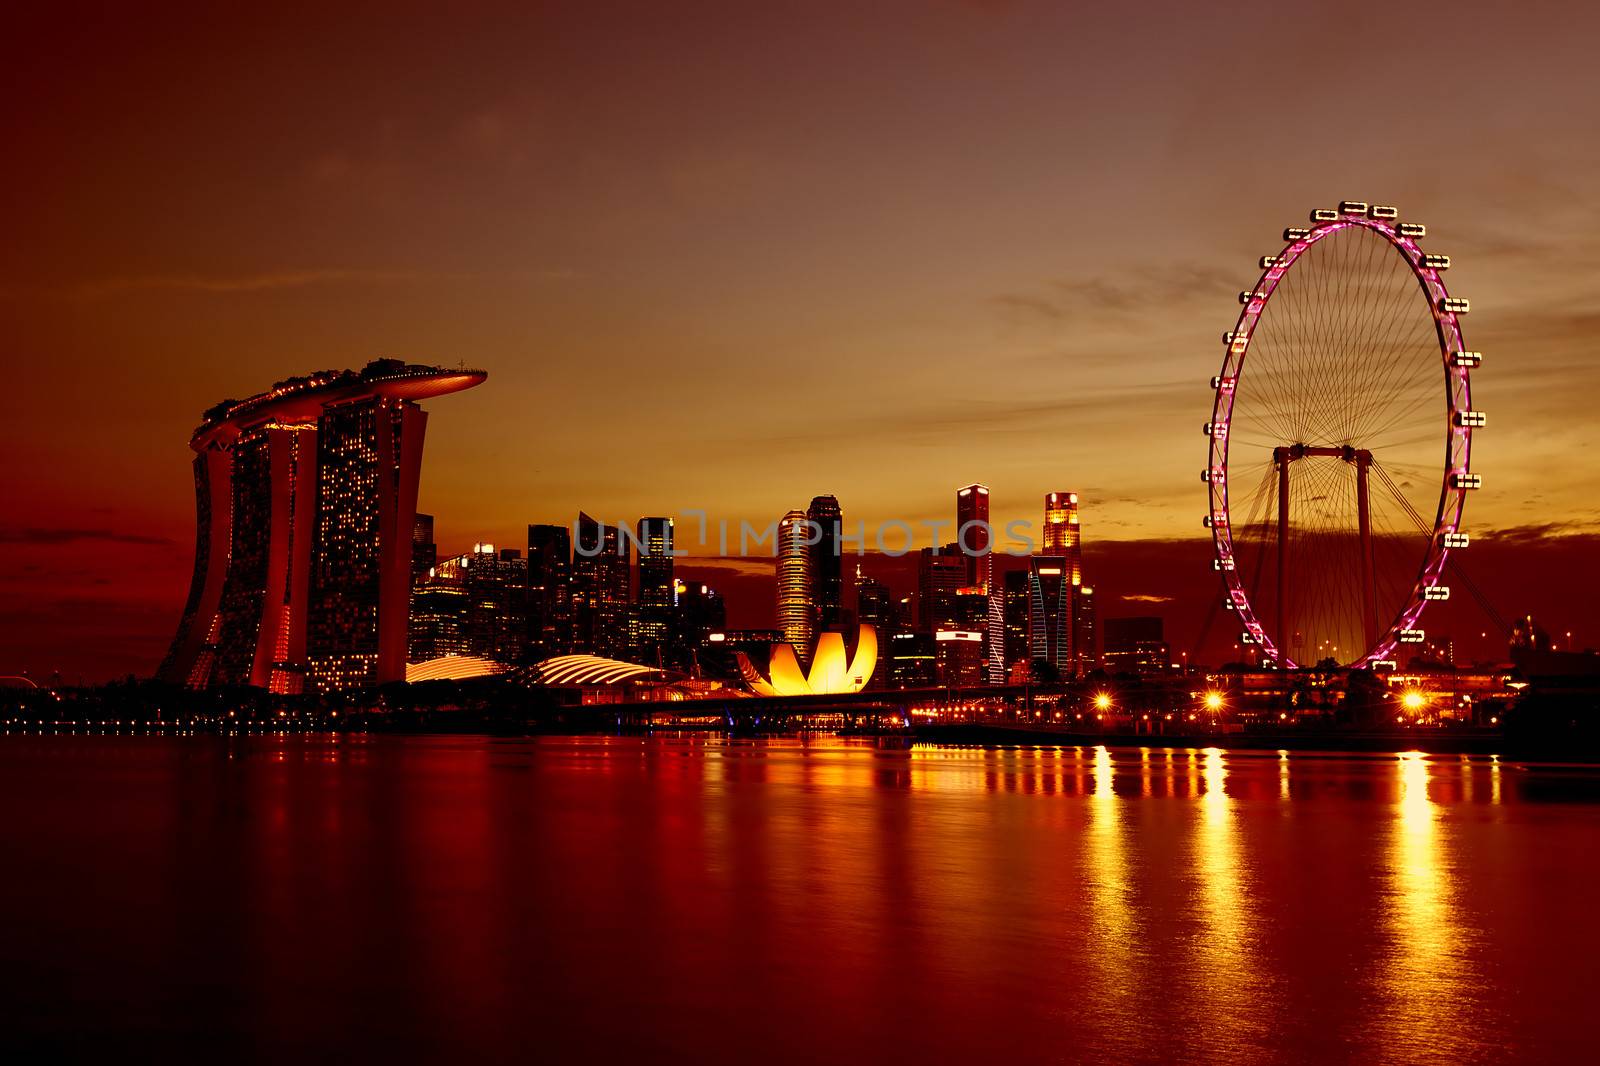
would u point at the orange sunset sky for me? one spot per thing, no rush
(730, 256)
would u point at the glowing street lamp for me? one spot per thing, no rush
(1413, 701)
(1102, 701)
(1213, 701)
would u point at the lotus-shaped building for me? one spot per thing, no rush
(832, 671)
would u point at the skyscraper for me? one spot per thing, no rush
(1061, 533)
(701, 612)
(1085, 630)
(305, 500)
(438, 624)
(1050, 612)
(424, 551)
(875, 607)
(1015, 611)
(1062, 612)
(972, 535)
(473, 604)
(827, 588)
(940, 575)
(549, 591)
(601, 581)
(974, 538)
(656, 598)
(796, 608)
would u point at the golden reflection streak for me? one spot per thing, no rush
(1423, 982)
(1229, 980)
(1110, 891)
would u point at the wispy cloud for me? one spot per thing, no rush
(276, 281)
(1129, 292)
(283, 279)
(70, 535)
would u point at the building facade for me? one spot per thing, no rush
(797, 612)
(305, 529)
(827, 586)
(973, 535)
(601, 589)
(656, 631)
(549, 591)
(1136, 645)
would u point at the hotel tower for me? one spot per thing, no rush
(305, 507)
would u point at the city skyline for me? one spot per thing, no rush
(585, 217)
(723, 532)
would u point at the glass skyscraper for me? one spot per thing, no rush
(827, 588)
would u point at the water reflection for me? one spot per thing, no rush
(1114, 933)
(1231, 982)
(1422, 983)
(704, 899)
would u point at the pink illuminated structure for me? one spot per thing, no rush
(1348, 332)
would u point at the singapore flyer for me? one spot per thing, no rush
(1332, 510)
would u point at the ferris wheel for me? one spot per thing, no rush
(1330, 514)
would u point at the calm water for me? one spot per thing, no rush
(783, 901)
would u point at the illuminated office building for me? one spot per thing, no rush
(438, 621)
(875, 606)
(601, 584)
(1015, 619)
(973, 535)
(1050, 612)
(913, 661)
(701, 612)
(959, 660)
(424, 551)
(1061, 608)
(1085, 631)
(1061, 533)
(827, 587)
(305, 500)
(796, 608)
(473, 604)
(549, 591)
(941, 574)
(655, 629)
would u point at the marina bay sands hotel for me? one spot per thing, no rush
(305, 496)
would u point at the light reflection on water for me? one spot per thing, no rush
(689, 898)
(1426, 989)
(1230, 978)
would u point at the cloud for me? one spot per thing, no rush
(264, 282)
(276, 281)
(1136, 290)
(735, 566)
(42, 535)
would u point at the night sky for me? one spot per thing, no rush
(730, 256)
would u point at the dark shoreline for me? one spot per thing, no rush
(1479, 742)
(1428, 742)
